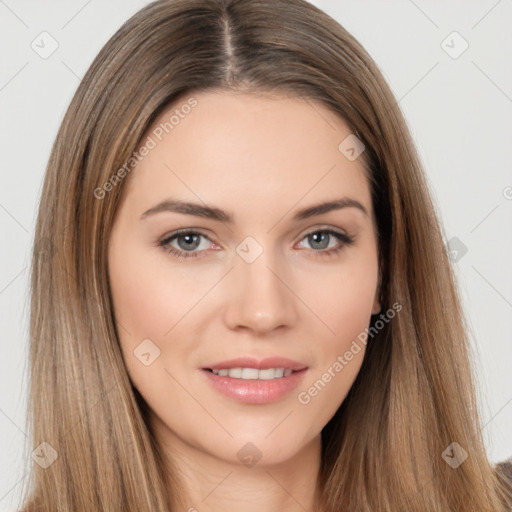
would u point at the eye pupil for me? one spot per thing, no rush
(320, 234)
(190, 238)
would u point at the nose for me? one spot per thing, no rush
(260, 296)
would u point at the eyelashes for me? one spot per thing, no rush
(343, 240)
(178, 253)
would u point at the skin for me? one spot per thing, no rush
(261, 158)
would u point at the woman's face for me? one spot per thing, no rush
(249, 275)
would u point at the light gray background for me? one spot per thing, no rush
(459, 111)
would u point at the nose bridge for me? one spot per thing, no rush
(259, 298)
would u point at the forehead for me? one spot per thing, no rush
(247, 150)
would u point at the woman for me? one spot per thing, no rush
(303, 347)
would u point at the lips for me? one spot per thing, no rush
(255, 391)
(259, 364)
(260, 390)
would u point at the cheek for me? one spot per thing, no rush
(343, 303)
(343, 298)
(157, 301)
(144, 306)
(149, 297)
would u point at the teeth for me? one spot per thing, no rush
(253, 373)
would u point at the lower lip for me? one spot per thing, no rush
(255, 391)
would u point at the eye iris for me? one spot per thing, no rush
(313, 239)
(190, 238)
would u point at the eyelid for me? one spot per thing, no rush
(169, 237)
(325, 227)
(184, 231)
(344, 238)
(309, 231)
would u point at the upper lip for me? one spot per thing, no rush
(260, 364)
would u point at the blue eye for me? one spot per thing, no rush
(189, 241)
(319, 238)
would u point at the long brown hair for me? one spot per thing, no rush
(414, 395)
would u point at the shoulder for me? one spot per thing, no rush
(505, 467)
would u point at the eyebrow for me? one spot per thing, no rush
(198, 210)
